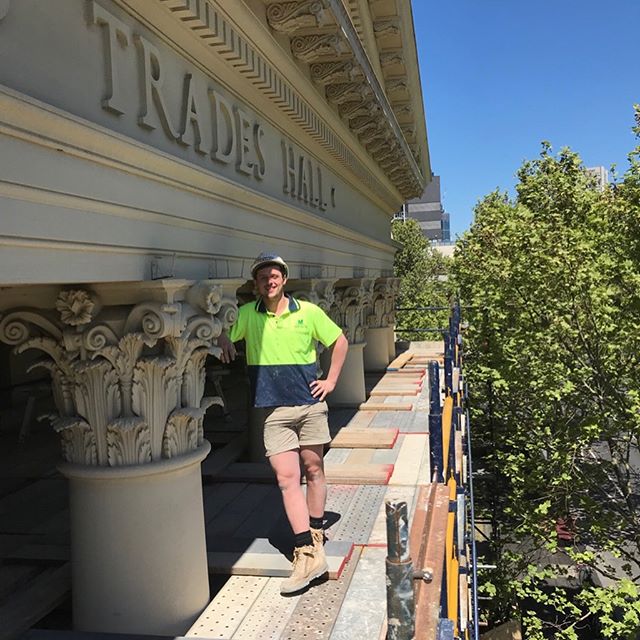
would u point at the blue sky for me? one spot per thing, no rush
(500, 76)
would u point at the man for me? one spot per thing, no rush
(280, 334)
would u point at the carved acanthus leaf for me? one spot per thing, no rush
(388, 27)
(155, 395)
(77, 439)
(181, 434)
(347, 92)
(315, 47)
(326, 73)
(391, 58)
(98, 399)
(128, 442)
(288, 17)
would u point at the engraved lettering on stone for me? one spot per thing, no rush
(117, 36)
(192, 114)
(154, 107)
(224, 140)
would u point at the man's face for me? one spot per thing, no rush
(270, 282)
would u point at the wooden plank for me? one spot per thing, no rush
(428, 594)
(260, 558)
(359, 457)
(382, 406)
(399, 361)
(407, 466)
(358, 474)
(43, 594)
(365, 439)
(394, 392)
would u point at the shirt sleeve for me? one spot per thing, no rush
(237, 330)
(325, 330)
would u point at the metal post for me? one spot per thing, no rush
(400, 598)
(448, 362)
(435, 446)
(434, 387)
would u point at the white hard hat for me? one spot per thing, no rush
(265, 259)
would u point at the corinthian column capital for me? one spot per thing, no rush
(127, 364)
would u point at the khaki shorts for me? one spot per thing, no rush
(289, 428)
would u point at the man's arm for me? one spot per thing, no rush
(321, 388)
(228, 348)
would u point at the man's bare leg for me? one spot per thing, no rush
(313, 463)
(287, 469)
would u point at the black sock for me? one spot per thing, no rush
(315, 523)
(303, 539)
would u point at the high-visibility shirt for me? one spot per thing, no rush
(281, 350)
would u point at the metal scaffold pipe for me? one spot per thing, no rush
(399, 567)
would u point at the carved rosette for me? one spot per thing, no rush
(128, 382)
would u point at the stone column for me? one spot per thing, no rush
(392, 291)
(352, 297)
(379, 331)
(127, 368)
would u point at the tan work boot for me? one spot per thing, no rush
(309, 563)
(317, 535)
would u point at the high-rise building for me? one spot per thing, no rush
(429, 212)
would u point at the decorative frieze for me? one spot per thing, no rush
(128, 381)
(387, 28)
(391, 59)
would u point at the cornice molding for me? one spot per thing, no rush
(221, 37)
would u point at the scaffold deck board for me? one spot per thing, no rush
(386, 406)
(413, 457)
(394, 391)
(258, 557)
(363, 611)
(352, 438)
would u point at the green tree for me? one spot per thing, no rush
(425, 282)
(551, 281)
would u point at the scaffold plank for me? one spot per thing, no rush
(269, 614)
(351, 438)
(357, 521)
(382, 406)
(428, 594)
(407, 467)
(366, 473)
(363, 610)
(226, 611)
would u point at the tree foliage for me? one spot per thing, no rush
(551, 280)
(424, 272)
